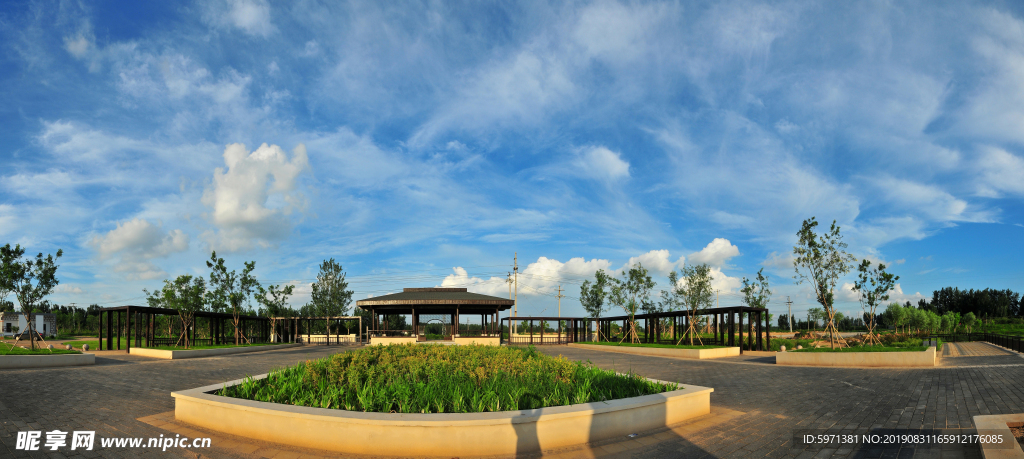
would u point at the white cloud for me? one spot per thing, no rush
(601, 163)
(312, 48)
(136, 242)
(251, 16)
(716, 253)
(252, 200)
(1000, 172)
(723, 283)
(494, 286)
(897, 295)
(78, 46)
(783, 261)
(656, 261)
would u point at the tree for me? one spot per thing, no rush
(592, 296)
(813, 316)
(895, 315)
(874, 285)
(274, 300)
(187, 295)
(756, 294)
(695, 293)
(969, 320)
(9, 258)
(30, 280)
(330, 296)
(631, 294)
(783, 320)
(231, 290)
(824, 260)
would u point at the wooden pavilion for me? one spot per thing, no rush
(440, 309)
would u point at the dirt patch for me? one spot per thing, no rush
(1017, 429)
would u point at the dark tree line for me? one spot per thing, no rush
(983, 303)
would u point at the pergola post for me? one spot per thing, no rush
(767, 330)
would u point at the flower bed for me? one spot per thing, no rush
(442, 379)
(476, 381)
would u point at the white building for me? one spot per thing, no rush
(45, 324)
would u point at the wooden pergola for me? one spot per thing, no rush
(445, 304)
(138, 325)
(726, 323)
(290, 329)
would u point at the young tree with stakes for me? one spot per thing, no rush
(695, 293)
(874, 285)
(30, 280)
(592, 295)
(757, 294)
(330, 296)
(187, 295)
(274, 301)
(231, 290)
(824, 260)
(632, 294)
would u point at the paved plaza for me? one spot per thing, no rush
(756, 404)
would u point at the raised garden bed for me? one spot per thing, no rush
(663, 350)
(440, 401)
(858, 358)
(999, 427)
(204, 351)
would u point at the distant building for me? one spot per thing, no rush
(45, 324)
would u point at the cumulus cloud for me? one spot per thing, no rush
(541, 276)
(656, 261)
(601, 163)
(135, 243)
(715, 253)
(253, 199)
(251, 16)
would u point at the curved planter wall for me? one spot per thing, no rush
(924, 358)
(715, 353)
(447, 434)
(195, 353)
(45, 361)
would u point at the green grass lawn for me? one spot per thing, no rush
(5, 349)
(430, 378)
(670, 346)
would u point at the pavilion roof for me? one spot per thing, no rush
(441, 297)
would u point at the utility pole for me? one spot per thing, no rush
(560, 296)
(508, 280)
(74, 315)
(515, 278)
(790, 304)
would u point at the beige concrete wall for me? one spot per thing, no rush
(46, 360)
(431, 435)
(196, 353)
(700, 354)
(385, 340)
(495, 341)
(858, 359)
(996, 425)
(344, 338)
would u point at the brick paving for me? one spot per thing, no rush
(757, 405)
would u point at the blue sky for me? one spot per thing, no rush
(425, 143)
